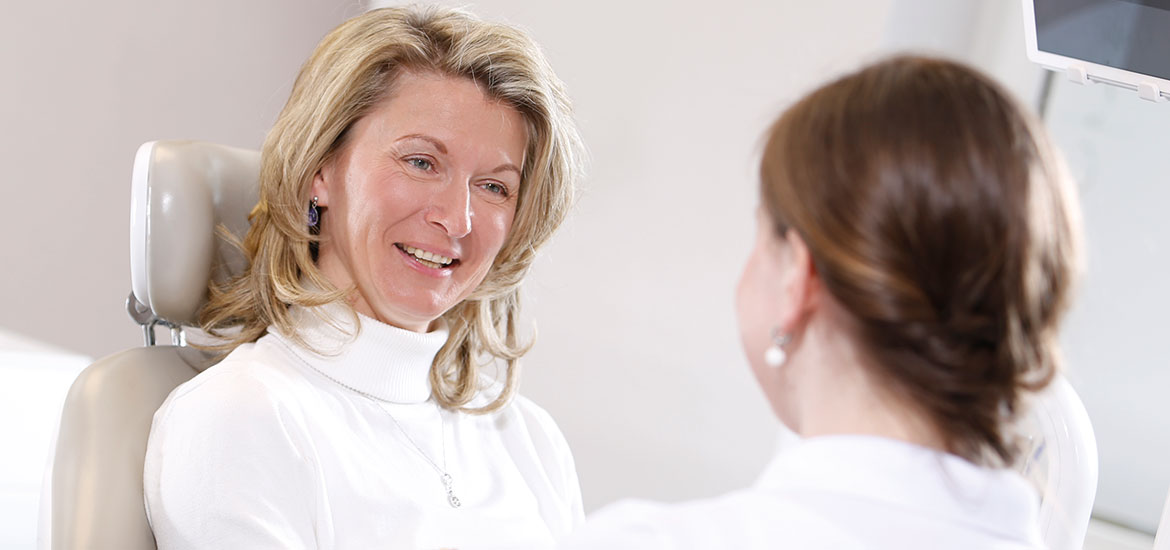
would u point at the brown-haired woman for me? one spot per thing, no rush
(422, 159)
(915, 249)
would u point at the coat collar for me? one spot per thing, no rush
(902, 475)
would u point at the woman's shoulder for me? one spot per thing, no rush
(526, 408)
(231, 443)
(252, 381)
(522, 412)
(525, 425)
(546, 434)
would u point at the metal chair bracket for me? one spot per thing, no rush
(146, 319)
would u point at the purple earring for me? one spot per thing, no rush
(314, 216)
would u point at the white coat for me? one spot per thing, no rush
(838, 492)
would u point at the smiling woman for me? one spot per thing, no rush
(422, 159)
(411, 180)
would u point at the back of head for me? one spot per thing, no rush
(943, 228)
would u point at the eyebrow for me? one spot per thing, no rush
(438, 144)
(505, 167)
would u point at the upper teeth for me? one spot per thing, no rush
(428, 256)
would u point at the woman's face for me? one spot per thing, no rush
(420, 198)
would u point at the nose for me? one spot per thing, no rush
(451, 208)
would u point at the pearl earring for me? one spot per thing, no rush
(775, 356)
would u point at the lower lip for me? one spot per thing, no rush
(437, 272)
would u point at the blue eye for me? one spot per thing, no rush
(498, 189)
(420, 163)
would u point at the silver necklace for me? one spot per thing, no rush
(377, 403)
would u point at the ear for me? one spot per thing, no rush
(802, 285)
(323, 180)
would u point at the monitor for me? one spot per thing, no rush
(1121, 42)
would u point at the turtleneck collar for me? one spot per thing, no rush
(385, 362)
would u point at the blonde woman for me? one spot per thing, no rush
(421, 160)
(915, 247)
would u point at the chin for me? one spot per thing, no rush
(405, 314)
(434, 309)
(426, 315)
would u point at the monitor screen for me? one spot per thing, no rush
(1132, 35)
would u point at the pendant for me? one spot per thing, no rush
(451, 498)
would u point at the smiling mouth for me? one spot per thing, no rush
(429, 259)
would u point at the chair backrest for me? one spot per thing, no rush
(1162, 536)
(1060, 458)
(182, 191)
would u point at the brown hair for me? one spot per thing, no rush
(352, 70)
(941, 222)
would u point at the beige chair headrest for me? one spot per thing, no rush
(181, 191)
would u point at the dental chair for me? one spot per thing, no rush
(1060, 459)
(181, 192)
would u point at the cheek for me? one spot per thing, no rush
(493, 230)
(503, 227)
(490, 231)
(750, 314)
(754, 333)
(759, 301)
(742, 304)
(754, 305)
(752, 301)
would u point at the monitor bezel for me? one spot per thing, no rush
(1080, 70)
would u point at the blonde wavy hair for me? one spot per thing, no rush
(353, 69)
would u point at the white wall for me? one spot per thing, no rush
(988, 34)
(84, 84)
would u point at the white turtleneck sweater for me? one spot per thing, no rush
(280, 447)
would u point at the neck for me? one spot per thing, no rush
(837, 392)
